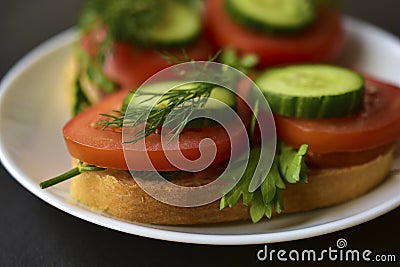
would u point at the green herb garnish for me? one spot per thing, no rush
(288, 166)
(80, 168)
(92, 67)
(124, 19)
(196, 93)
(80, 101)
(244, 63)
(131, 21)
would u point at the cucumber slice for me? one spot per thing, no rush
(150, 23)
(273, 16)
(179, 25)
(312, 91)
(224, 95)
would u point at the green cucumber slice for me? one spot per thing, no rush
(273, 16)
(150, 23)
(224, 95)
(179, 25)
(312, 91)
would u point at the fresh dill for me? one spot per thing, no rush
(124, 19)
(131, 21)
(196, 95)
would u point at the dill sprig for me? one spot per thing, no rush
(173, 59)
(125, 19)
(129, 20)
(196, 93)
(186, 98)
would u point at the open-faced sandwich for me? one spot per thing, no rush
(336, 129)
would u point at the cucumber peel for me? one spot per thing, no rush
(273, 16)
(312, 91)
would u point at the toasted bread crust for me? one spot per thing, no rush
(116, 193)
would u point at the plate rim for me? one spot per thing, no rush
(57, 42)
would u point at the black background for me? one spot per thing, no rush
(33, 233)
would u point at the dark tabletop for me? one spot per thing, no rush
(33, 233)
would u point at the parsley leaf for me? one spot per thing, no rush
(288, 167)
(292, 165)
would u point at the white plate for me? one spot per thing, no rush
(33, 110)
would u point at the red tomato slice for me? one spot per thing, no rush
(89, 143)
(377, 125)
(321, 42)
(130, 65)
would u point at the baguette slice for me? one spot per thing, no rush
(116, 193)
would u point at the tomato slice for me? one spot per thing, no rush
(321, 42)
(87, 141)
(377, 125)
(131, 65)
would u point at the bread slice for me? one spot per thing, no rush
(116, 193)
(70, 75)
